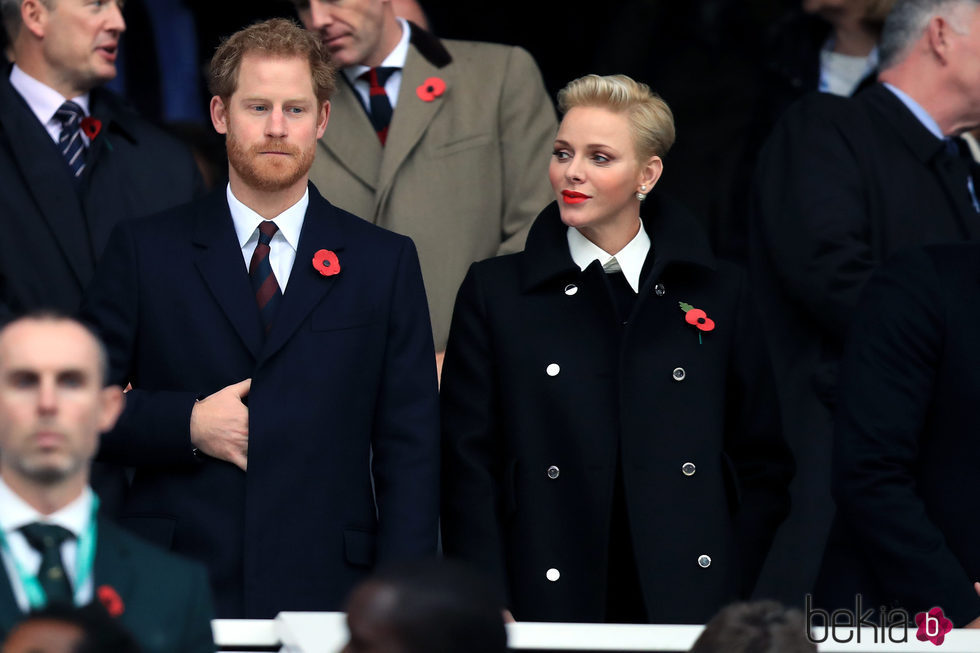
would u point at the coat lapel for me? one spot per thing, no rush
(113, 565)
(411, 117)
(220, 263)
(306, 287)
(48, 179)
(350, 136)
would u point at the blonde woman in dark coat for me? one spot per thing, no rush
(611, 445)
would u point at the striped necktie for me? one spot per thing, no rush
(264, 283)
(380, 105)
(70, 142)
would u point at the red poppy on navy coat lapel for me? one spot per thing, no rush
(326, 263)
(91, 126)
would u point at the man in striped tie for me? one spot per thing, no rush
(73, 158)
(283, 420)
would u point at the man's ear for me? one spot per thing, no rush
(938, 33)
(219, 115)
(322, 122)
(34, 15)
(113, 401)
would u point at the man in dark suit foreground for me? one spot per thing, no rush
(74, 159)
(284, 413)
(843, 183)
(54, 546)
(906, 447)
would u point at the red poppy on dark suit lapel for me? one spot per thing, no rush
(91, 126)
(110, 600)
(326, 263)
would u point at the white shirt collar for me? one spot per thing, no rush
(395, 59)
(43, 100)
(247, 221)
(16, 513)
(630, 259)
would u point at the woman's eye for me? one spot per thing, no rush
(561, 155)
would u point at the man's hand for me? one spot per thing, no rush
(976, 622)
(219, 424)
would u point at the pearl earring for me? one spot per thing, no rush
(641, 194)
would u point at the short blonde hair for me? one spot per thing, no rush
(277, 37)
(651, 120)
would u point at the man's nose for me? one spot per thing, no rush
(275, 125)
(116, 22)
(321, 14)
(47, 399)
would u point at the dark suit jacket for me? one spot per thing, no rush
(343, 411)
(54, 228)
(842, 183)
(616, 397)
(906, 448)
(166, 600)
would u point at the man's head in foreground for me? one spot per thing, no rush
(435, 606)
(53, 404)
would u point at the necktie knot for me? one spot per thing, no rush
(70, 142)
(44, 537)
(377, 77)
(267, 229)
(69, 114)
(47, 539)
(379, 106)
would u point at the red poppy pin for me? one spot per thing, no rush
(698, 318)
(110, 600)
(326, 263)
(430, 89)
(91, 126)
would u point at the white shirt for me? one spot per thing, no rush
(44, 101)
(396, 59)
(282, 247)
(630, 259)
(16, 513)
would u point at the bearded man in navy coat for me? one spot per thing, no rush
(283, 420)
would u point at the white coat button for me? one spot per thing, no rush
(704, 561)
(553, 472)
(552, 574)
(679, 374)
(660, 290)
(688, 469)
(571, 289)
(553, 369)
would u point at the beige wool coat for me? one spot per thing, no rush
(463, 175)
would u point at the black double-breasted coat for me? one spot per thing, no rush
(544, 386)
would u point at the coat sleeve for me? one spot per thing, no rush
(405, 440)
(887, 384)
(154, 428)
(810, 211)
(527, 134)
(472, 459)
(754, 444)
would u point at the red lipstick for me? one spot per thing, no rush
(573, 197)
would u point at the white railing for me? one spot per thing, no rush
(326, 632)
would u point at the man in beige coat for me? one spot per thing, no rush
(463, 170)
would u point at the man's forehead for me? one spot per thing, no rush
(61, 343)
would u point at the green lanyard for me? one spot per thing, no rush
(86, 558)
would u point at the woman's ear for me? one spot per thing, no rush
(651, 171)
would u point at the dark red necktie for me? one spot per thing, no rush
(264, 283)
(380, 105)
